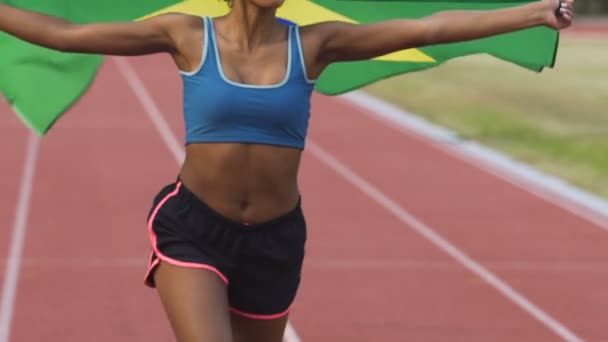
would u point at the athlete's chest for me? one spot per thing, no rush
(225, 103)
(263, 67)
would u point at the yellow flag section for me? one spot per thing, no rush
(301, 12)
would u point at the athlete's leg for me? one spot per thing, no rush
(257, 330)
(196, 303)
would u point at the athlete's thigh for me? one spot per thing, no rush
(257, 330)
(196, 303)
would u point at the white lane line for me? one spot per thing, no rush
(546, 187)
(11, 277)
(154, 113)
(440, 242)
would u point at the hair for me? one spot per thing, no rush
(228, 2)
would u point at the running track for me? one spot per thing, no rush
(406, 242)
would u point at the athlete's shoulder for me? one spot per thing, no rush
(181, 26)
(318, 33)
(176, 19)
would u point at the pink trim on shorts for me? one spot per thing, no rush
(254, 316)
(160, 256)
(153, 263)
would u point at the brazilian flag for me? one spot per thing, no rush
(42, 84)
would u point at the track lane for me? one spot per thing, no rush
(87, 247)
(360, 247)
(366, 276)
(493, 221)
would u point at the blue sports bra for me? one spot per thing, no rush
(217, 109)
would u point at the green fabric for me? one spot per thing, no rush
(41, 84)
(533, 49)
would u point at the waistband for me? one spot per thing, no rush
(205, 209)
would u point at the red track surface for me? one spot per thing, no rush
(589, 27)
(368, 276)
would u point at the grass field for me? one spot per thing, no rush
(556, 121)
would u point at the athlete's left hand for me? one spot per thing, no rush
(558, 13)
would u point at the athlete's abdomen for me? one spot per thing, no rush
(248, 183)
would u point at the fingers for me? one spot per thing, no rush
(565, 9)
(567, 16)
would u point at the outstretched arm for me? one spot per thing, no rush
(340, 41)
(132, 38)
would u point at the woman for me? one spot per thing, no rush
(228, 236)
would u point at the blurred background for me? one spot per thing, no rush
(591, 7)
(556, 121)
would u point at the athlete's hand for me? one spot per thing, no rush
(558, 14)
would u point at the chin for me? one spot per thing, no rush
(268, 4)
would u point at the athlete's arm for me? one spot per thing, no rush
(157, 34)
(339, 41)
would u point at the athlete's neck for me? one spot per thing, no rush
(250, 25)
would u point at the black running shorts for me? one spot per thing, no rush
(260, 264)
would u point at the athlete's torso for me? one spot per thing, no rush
(244, 140)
